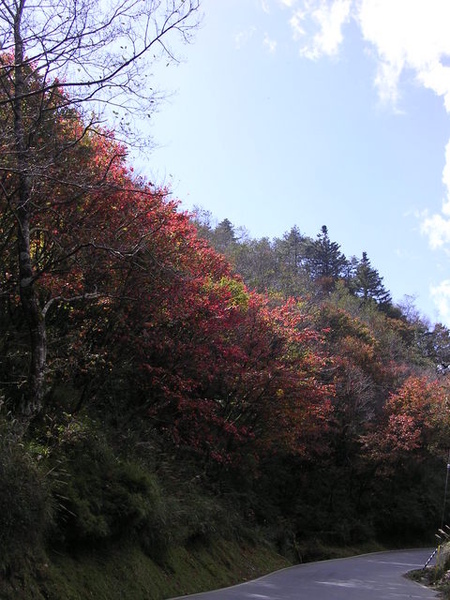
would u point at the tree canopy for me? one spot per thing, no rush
(59, 61)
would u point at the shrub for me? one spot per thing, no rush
(25, 502)
(101, 497)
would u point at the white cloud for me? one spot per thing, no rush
(287, 3)
(441, 298)
(318, 24)
(243, 37)
(437, 78)
(270, 44)
(386, 80)
(437, 227)
(408, 34)
(265, 6)
(296, 22)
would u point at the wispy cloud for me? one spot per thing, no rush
(403, 34)
(318, 25)
(441, 297)
(265, 6)
(437, 226)
(270, 43)
(408, 34)
(243, 37)
(287, 3)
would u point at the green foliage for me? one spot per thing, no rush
(235, 289)
(26, 507)
(124, 571)
(198, 518)
(102, 498)
(367, 283)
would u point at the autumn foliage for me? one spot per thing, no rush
(310, 408)
(130, 293)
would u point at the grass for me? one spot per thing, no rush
(127, 572)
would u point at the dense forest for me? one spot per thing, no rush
(167, 381)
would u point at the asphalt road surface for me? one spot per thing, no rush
(376, 576)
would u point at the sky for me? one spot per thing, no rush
(319, 112)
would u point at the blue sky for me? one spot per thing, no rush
(319, 112)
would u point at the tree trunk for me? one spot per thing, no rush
(32, 401)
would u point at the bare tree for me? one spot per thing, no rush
(89, 56)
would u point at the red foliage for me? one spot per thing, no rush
(143, 298)
(228, 377)
(417, 421)
(144, 302)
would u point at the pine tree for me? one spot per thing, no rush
(324, 260)
(368, 284)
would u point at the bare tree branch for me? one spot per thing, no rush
(70, 62)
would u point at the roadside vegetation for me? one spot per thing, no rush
(437, 575)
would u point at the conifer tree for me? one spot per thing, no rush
(368, 284)
(325, 261)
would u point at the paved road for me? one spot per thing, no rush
(376, 576)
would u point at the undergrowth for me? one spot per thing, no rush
(436, 576)
(80, 517)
